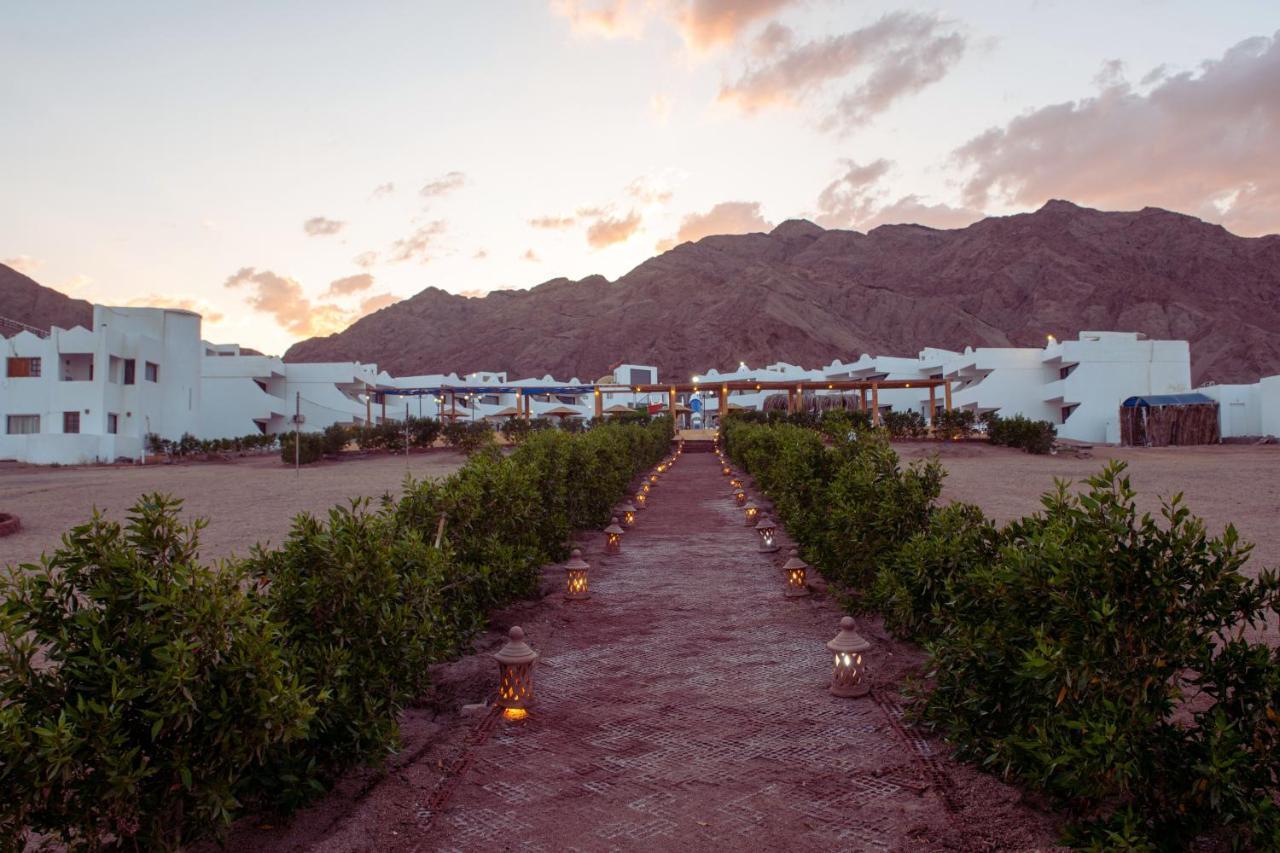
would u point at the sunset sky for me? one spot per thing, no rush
(284, 167)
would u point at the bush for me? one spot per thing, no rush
(908, 424)
(335, 438)
(1017, 431)
(957, 423)
(137, 687)
(1101, 658)
(424, 431)
(310, 447)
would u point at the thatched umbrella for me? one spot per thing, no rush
(561, 412)
(618, 409)
(508, 412)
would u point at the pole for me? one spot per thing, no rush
(875, 404)
(946, 390)
(297, 444)
(406, 432)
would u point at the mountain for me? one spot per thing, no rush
(806, 295)
(31, 304)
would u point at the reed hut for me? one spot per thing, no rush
(1164, 420)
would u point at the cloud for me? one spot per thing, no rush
(480, 254)
(531, 255)
(417, 244)
(383, 190)
(1202, 142)
(660, 107)
(646, 193)
(24, 264)
(607, 231)
(898, 55)
(443, 185)
(76, 283)
(703, 24)
(375, 303)
(153, 300)
(365, 260)
(318, 226)
(727, 217)
(553, 223)
(349, 285)
(279, 296)
(857, 200)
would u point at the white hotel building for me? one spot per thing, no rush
(84, 395)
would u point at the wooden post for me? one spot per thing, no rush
(382, 398)
(368, 405)
(875, 404)
(453, 405)
(599, 404)
(933, 403)
(947, 392)
(724, 401)
(671, 406)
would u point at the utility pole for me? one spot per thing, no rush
(406, 432)
(297, 442)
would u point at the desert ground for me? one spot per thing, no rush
(246, 500)
(1223, 484)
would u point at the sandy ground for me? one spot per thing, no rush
(1227, 484)
(247, 500)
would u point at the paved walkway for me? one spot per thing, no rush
(685, 704)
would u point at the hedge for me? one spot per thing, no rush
(1095, 654)
(148, 698)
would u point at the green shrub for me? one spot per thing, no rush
(1100, 658)
(354, 598)
(908, 424)
(957, 423)
(1018, 431)
(424, 431)
(335, 438)
(309, 448)
(911, 589)
(137, 687)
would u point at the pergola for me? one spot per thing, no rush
(868, 396)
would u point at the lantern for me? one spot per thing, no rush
(735, 482)
(740, 497)
(515, 675)
(752, 513)
(726, 470)
(613, 537)
(645, 487)
(848, 672)
(653, 479)
(575, 577)
(767, 530)
(628, 511)
(795, 569)
(641, 498)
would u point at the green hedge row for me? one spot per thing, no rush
(1018, 431)
(1096, 654)
(147, 697)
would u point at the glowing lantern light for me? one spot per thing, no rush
(765, 527)
(515, 675)
(751, 513)
(726, 470)
(795, 569)
(740, 496)
(628, 511)
(653, 479)
(645, 487)
(735, 483)
(848, 672)
(613, 537)
(575, 577)
(641, 499)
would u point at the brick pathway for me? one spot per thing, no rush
(686, 704)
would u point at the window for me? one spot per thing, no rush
(1066, 371)
(22, 424)
(113, 423)
(22, 368)
(152, 372)
(70, 422)
(130, 371)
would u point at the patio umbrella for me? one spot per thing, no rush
(508, 412)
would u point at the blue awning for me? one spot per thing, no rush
(1189, 399)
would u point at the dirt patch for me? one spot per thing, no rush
(247, 500)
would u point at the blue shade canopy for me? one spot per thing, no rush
(1189, 399)
(434, 390)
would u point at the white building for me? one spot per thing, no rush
(85, 395)
(1247, 410)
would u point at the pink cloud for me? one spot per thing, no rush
(417, 246)
(607, 231)
(443, 185)
(1202, 142)
(24, 264)
(857, 199)
(703, 24)
(349, 285)
(152, 300)
(319, 226)
(728, 217)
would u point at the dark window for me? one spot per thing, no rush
(22, 424)
(130, 371)
(1066, 412)
(70, 422)
(21, 368)
(1064, 372)
(113, 423)
(152, 372)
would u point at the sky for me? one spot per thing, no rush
(287, 167)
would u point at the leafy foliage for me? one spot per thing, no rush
(137, 687)
(1018, 431)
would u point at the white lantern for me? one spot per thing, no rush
(848, 670)
(515, 675)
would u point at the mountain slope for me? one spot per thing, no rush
(807, 295)
(23, 300)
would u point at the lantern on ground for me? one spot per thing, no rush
(752, 513)
(628, 514)
(768, 532)
(575, 577)
(735, 482)
(740, 497)
(795, 569)
(613, 537)
(515, 675)
(645, 487)
(641, 499)
(848, 671)
(726, 470)
(653, 479)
